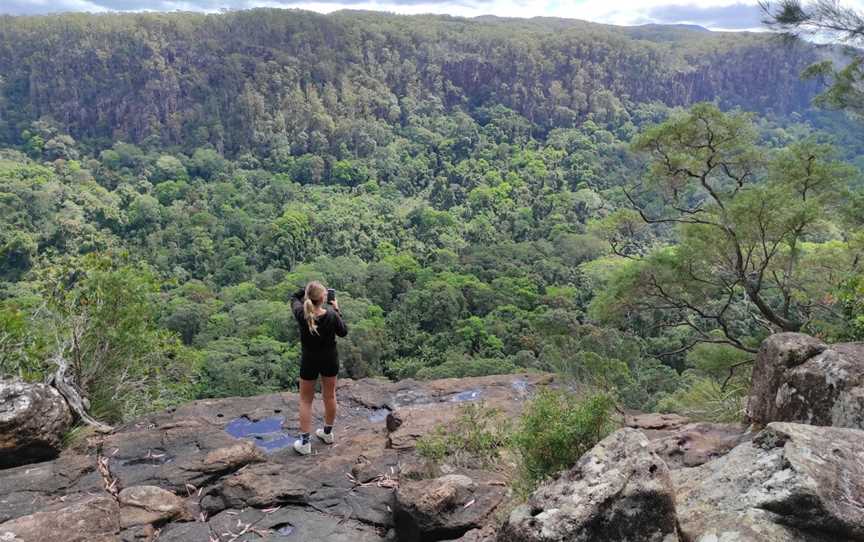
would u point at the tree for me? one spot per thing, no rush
(736, 269)
(102, 313)
(826, 18)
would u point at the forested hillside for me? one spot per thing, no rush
(487, 196)
(277, 82)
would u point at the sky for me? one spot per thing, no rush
(713, 14)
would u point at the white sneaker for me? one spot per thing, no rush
(327, 438)
(302, 449)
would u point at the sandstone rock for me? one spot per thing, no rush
(230, 458)
(444, 508)
(800, 379)
(83, 519)
(140, 505)
(618, 491)
(656, 422)
(394, 421)
(486, 534)
(33, 418)
(418, 421)
(792, 483)
(344, 492)
(261, 486)
(697, 443)
(30, 488)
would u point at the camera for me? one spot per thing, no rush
(331, 295)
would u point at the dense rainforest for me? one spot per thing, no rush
(635, 208)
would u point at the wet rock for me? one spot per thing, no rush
(620, 490)
(798, 378)
(793, 483)
(444, 508)
(84, 518)
(140, 505)
(33, 419)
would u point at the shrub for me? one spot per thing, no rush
(556, 429)
(475, 439)
(705, 399)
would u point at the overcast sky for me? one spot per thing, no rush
(714, 14)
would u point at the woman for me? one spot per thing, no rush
(320, 322)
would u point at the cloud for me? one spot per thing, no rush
(714, 14)
(735, 16)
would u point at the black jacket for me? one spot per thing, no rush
(330, 325)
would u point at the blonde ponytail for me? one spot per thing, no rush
(313, 299)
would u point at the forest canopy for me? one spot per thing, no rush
(634, 208)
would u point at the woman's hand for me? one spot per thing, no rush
(335, 305)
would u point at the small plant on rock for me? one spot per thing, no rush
(556, 429)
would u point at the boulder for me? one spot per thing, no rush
(793, 483)
(697, 443)
(798, 378)
(33, 419)
(88, 518)
(444, 508)
(620, 490)
(140, 505)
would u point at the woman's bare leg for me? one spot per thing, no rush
(307, 394)
(328, 390)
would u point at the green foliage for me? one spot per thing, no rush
(705, 399)
(474, 440)
(742, 264)
(463, 366)
(851, 297)
(100, 314)
(557, 428)
(471, 225)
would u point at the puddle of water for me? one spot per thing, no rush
(284, 529)
(520, 386)
(410, 397)
(467, 395)
(266, 433)
(379, 415)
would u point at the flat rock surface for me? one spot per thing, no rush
(231, 465)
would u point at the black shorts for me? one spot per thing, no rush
(322, 364)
